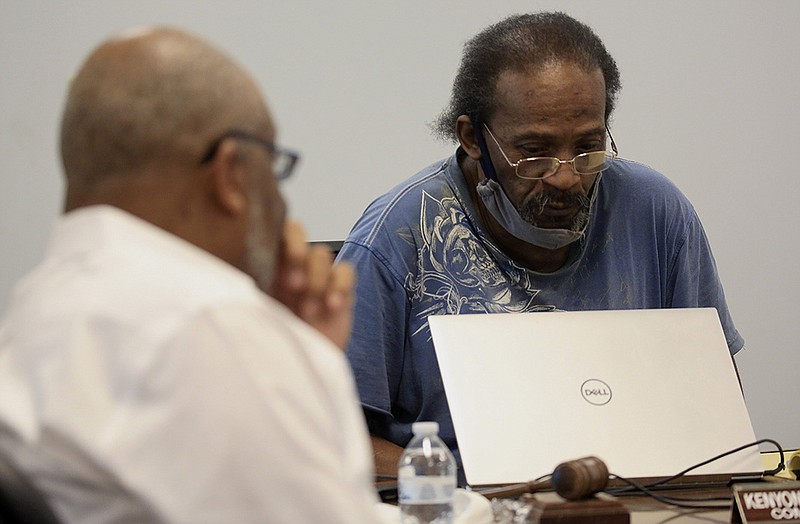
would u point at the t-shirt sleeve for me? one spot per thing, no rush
(695, 282)
(376, 348)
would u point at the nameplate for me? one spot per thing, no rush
(765, 502)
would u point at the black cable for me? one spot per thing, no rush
(756, 443)
(675, 501)
(678, 501)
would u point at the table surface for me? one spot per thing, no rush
(646, 510)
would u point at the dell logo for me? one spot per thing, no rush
(596, 392)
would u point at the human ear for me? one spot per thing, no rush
(465, 132)
(228, 179)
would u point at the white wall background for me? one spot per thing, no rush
(711, 97)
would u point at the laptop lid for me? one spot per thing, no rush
(650, 392)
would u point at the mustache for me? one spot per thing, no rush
(542, 200)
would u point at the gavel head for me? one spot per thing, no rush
(581, 478)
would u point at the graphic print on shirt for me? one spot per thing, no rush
(456, 273)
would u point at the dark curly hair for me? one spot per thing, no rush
(521, 43)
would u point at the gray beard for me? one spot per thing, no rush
(261, 260)
(530, 211)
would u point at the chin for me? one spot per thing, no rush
(260, 262)
(554, 224)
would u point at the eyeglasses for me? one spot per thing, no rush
(541, 167)
(283, 160)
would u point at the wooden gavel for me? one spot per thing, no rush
(574, 480)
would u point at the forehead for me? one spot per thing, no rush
(555, 94)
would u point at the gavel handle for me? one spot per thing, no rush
(515, 490)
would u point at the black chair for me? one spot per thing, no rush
(20, 501)
(333, 245)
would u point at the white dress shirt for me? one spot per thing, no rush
(143, 379)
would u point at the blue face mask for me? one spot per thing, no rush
(497, 203)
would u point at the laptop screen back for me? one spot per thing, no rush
(650, 392)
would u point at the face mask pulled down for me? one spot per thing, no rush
(501, 208)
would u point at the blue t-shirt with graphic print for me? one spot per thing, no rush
(421, 250)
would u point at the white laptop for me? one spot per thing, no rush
(650, 392)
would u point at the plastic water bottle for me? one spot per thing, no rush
(426, 478)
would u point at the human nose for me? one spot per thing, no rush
(565, 176)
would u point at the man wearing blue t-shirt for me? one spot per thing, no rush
(534, 211)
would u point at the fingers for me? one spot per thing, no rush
(293, 256)
(319, 274)
(308, 283)
(341, 285)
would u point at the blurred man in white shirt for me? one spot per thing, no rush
(158, 365)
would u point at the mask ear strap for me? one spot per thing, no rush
(485, 160)
(611, 138)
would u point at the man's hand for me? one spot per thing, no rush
(308, 283)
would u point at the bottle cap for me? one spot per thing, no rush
(425, 428)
